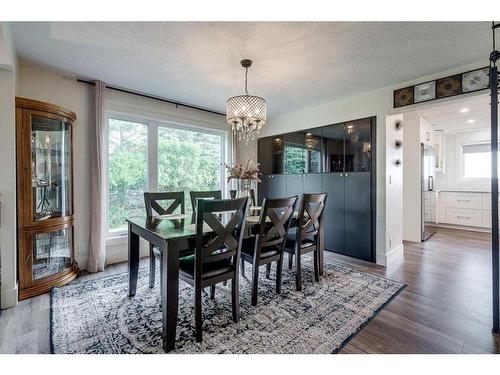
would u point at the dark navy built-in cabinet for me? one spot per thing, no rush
(337, 159)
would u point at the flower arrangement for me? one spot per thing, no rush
(247, 171)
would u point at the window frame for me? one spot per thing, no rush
(153, 124)
(462, 162)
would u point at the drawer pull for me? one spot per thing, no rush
(463, 217)
(463, 200)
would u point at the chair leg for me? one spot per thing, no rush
(152, 267)
(268, 270)
(316, 265)
(298, 271)
(212, 291)
(255, 284)
(224, 282)
(235, 300)
(197, 314)
(242, 267)
(290, 261)
(279, 269)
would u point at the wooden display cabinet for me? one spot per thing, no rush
(45, 196)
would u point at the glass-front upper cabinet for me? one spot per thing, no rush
(358, 145)
(314, 150)
(302, 152)
(294, 153)
(333, 138)
(50, 168)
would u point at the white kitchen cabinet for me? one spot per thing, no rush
(464, 200)
(467, 217)
(439, 150)
(465, 209)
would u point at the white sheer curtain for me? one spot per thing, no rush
(97, 249)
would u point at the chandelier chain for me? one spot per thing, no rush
(246, 81)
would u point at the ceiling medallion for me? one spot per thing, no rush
(246, 113)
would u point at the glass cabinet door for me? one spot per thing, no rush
(52, 252)
(294, 153)
(333, 136)
(358, 146)
(50, 168)
(314, 150)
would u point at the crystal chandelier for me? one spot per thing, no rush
(246, 113)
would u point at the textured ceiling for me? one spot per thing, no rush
(296, 64)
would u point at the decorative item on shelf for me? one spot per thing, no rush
(398, 124)
(245, 175)
(367, 148)
(425, 91)
(449, 86)
(398, 143)
(397, 162)
(403, 97)
(475, 80)
(311, 141)
(246, 113)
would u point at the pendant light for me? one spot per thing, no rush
(246, 113)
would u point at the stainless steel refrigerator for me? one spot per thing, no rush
(428, 175)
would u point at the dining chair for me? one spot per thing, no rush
(232, 194)
(306, 238)
(267, 246)
(172, 201)
(195, 195)
(217, 254)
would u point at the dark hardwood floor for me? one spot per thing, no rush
(446, 307)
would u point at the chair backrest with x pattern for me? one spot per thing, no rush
(195, 195)
(226, 218)
(152, 202)
(310, 215)
(275, 218)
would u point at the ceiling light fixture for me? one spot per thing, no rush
(471, 121)
(246, 113)
(464, 110)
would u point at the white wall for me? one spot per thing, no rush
(377, 103)
(453, 141)
(394, 189)
(8, 169)
(412, 195)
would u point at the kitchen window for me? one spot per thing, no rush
(476, 161)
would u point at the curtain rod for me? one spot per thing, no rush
(115, 88)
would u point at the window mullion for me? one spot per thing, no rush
(153, 156)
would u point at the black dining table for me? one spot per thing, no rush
(172, 235)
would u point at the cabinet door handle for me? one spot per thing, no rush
(463, 200)
(463, 217)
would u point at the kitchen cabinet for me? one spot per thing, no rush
(439, 150)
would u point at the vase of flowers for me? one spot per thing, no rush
(245, 175)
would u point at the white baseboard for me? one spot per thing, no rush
(9, 298)
(394, 254)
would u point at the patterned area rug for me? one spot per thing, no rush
(97, 316)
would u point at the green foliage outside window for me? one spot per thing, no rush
(187, 160)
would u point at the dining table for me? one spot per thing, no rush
(174, 236)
